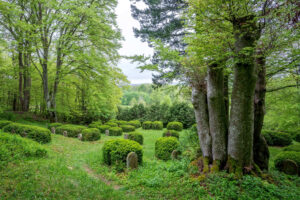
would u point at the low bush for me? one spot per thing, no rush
(165, 146)
(127, 128)
(121, 122)
(4, 123)
(275, 138)
(115, 131)
(111, 124)
(116, 150)
(286, 155)
(294, 147)
(172, 133)
(91, 134)
(135, 123)
(157, 125)
(177, 126)
(297, 137)
(39, 134)
(72, 130)
(103, 128)
(55, 125)
(147, 125)
(138, 137)
(95, 124)
(13, 147)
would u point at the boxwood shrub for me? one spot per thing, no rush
(39, 134)
(103, 128)
(157, 125)
(147, 125)
(172, 133)
(111, 124)
(55, 125)
(165, 146)
(294, 147)
(275, 138)
(177, 126)
(121, 122)
(95, 124)
(72, 130)
(138, 137)
(116, 150)
(297, 137)
(115, 131)
(135, 123)
(91, 134)
(286, 155)
(4, 123)
(127, 128)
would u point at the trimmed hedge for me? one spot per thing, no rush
(55, 125)
(294, 147)
(297, 137)
(91, 134)
(286, 155)
(177, 126)
(121, 122)
(135, 123)
(127, 128)
(157, 125)
(138, 137)
(147, 125)
(72, 130)
(4, 123)
(95, 124)
(103, 128)
(39, 134)
(116, 150)
(173, 133)
(165, 146)
(115, 131)
(111, 124)
(275, 138)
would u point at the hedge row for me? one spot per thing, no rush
(156, 125)
(91, 134)
(275, 138)
(127, 128)
(115, 131)
(177, 126)
(72, 130)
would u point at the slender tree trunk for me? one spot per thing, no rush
(21, 75)
(217, 115)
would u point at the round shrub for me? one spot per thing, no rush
(286, 155)
(297, 137)
(95, 124)
(91, 134)
(115, 131)
(103, 128)
(147, 125)
(275, 138)
(39, 134)
(72, 130)
(294, 147)
(177, 126)
(116, 150)
(171, 133)
(157, 125)
(138, 137)
(128, 128)
(165, 146)
(121, 122)
(54, 125)
(135, 123)
(4, 123)
(111, 124)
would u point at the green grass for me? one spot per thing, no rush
(74, 170)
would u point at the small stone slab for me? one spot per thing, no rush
(65, 133)
(53, 130)
(132, 160)
(290, 167)
(107, 132)
(126, 136)
(168, 134)
(80, 136)
(175, 154)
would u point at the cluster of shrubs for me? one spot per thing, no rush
(72, 130)
(275, 138)
(177, 126)
(138, 137)
(290, 154)
(156, 125)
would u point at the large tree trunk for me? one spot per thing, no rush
(217, 115)
(260, 149)
(241, 128)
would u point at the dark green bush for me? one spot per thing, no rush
(121, 122)
(91, 134)
(135, 123)
(177, 126)
(39, 134)
(275, 138)
(294, 147)
(115, 131)
(297, 137)
(157, 125)
(286, 155)
(55, 125)
(172, 133)
(147, 125)
(127, 128)
(182, 112)
(95, 124)
(4, 123)
(165, 146)
(111, 124)
(103, 128)
(138, 137)
(72, 130)
(116, 150)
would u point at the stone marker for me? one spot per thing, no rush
(53, 130)
(168, 134)
(65, 133)
(290, 167)
(24, 134)
(126, 136)
(13, 131)
(132, 160)
(80, 136)
(175, 154)
(107, 132)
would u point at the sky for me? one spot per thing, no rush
(131, 45)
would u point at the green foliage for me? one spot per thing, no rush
(39, 134)
(91, 134)
(127, 128)
(121, 122)
(294, 147)
(95, 124)
(172, 133)
(177, 126)
(138, 137)
(55, 125)
(135, 123)
(157, 125)
(182, 112)
(4, 123)
(72, 130)
(111, 124)
(275, 138)
(103, 128)
(115, 131)
(296, 137)
(13, 147)
(147, 125)
(116, 150)
(287, 155)
(165, 146)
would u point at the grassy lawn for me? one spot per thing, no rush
(74, 170)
